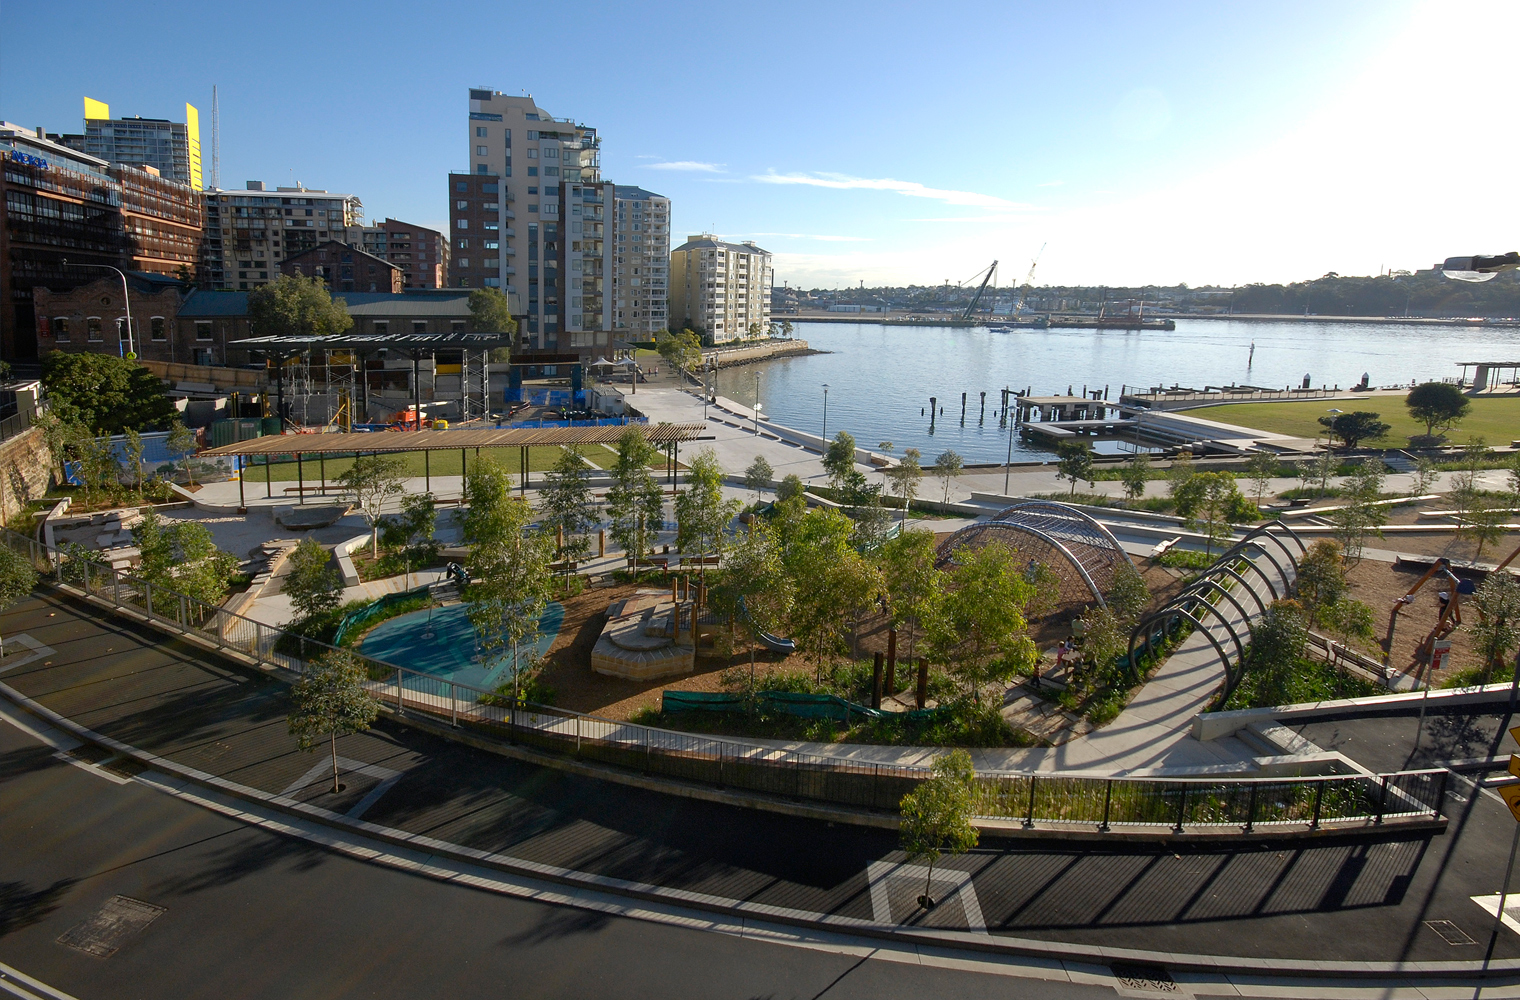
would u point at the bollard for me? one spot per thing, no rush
(891, 681)
(601, 543)
(876, 683)
(922, 694)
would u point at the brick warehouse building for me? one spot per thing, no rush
(345, 268)
(62, 205)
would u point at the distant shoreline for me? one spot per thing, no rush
(902, 319)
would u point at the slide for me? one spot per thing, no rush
(774, 643)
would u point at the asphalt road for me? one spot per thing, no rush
(251, 914)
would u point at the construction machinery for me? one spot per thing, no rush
(987, 276)
(1447, 619)
(1018, 305)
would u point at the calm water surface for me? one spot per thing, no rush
(881, 377)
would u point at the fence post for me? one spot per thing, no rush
(147, 598)
(1251, 809)
(184, 626)
(1440, 796)
(116, 588)
(1029, 817)
(720, 765)
(398, 691)
(1181, 809)
(1382, 802)
(577, 735)
(258, 641)
(1108, 797)
(453, 704)
(1319, 796)
(648, 751)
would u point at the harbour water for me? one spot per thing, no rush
(880, 377)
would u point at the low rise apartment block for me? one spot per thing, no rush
(721, 290)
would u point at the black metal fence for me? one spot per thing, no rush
(1038, 800)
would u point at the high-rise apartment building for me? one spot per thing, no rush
(422, 254)
(249, 232)
(721, 290)
(171, 148)
(640, 286)
(62, 210)
(529, 217)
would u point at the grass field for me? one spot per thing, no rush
(1496, 419)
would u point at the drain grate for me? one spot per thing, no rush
(123, 767)
(1145, 981)
(1449, 932)
(89, 753)
(103, 934)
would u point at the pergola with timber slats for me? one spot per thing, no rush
(668, 437)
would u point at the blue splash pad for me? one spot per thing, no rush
(451, 654)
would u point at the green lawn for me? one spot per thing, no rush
(1495, 418)
(442, 463)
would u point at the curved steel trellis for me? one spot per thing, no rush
(1088, 549)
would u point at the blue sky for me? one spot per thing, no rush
(880, 142)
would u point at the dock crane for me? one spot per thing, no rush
(990, 273)
(1018, 306)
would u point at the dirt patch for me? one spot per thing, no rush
(1379, 584)
(1444, 544)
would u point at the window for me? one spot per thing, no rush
(488, 244)
(462, 263)
(491, 282)
(481, 168)
(202, 329)
(532, 172)
(463, 223)
(491, 227)
(482, 151)
(464, 244)
(61, 328)
(532, 153)
(122, 331)
(382, 326)
(456, 326)
(419, 326)
(480, 131)
(156, 328)
(460, 186)
(461, 205)
(550, 153)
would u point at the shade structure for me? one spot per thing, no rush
(391, 442)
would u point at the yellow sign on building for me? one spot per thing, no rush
(97, 110)
(193, 130)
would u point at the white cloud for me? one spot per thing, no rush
(825, 239)
(913, 189)
(695, 166)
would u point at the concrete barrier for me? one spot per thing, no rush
(1214, 725)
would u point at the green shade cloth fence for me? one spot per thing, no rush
(808, 706)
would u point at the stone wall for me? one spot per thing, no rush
(25, 471)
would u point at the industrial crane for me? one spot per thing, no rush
(990, 273)
(1018, 306)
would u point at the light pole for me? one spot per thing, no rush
(1008, 465)
(131, 353)
(825, 416)
(757, 404)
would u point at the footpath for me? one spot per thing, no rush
(165, 713)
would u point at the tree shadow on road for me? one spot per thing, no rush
(21, 905)
(557, 923)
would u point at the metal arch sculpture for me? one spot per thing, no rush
(1086, 547)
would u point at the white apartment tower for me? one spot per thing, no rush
(529, 217)
(640, 282)
(721, 290)
(249, 232)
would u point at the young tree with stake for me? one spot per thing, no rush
(313, 584)
(935, 818)
(374, 480)
(947, 467)
(758, 476)
(330, 701)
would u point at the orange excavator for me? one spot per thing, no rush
(1450, 616)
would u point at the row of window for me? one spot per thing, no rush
(61, 329)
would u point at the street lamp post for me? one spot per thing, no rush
(825, 416)
(757, 404)
(131, 352)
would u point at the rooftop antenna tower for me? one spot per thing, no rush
(216, 141)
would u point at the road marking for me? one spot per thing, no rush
(35, 651)
(19, 984)
(385, 775)
(878, 873)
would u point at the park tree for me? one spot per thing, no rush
(831, 582)
(786, 328)
(1128, 596)
(935, 818)
(1277, 644)
(329, 701)
(905, 475)
(1360, 513)
(947, 468)
(1215, 504)
(374, 480)
(58, 436)
(634, 501)
(1354, 428)
(1349, 619)
(1134, 474)
(1497, 630)
(1261, 469)
(313, 583)
(491, 312)
(1321, 579)
(568, 505)
(508, 563)
(104, 394)
(132, 457)
(410, 530)
(753, 590)
(18, 577)
(1074, 462)
(1437, 405)
(292, 306)
(181, 444)
(1179, 472)
(914, 585)
(681, 351)
(181, 557)
(1425, 476)
(839, 459)
(702, 512)
(862, 504)
(758, 476)
(980, 632)
(790, 487)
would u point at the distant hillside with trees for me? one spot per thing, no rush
(1415, 294)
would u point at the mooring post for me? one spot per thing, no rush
(876, 683)
(922, 694)
(963, 409)
(982, 419)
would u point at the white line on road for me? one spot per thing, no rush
(19, 984)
